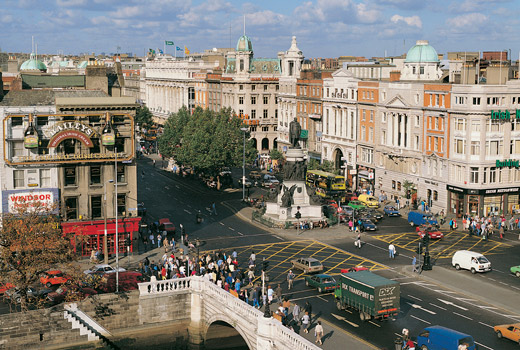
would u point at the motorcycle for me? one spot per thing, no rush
(199, 218)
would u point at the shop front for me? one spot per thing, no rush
(483, 202)
(89, 235)
(366, 178)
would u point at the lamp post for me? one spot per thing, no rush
(117, 228)
(105, 239)
(244, 130)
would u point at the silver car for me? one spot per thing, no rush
(307, 265)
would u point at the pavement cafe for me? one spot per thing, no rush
(483, 201)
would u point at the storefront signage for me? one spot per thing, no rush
(504, 115)
(15, 199)
(71, 157)
(483, 191)
(430, 182)
(509, 163)
(71, 130)
(501, 190)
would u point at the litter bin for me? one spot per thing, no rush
(398, 343)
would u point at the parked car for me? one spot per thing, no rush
(371, 214)
(270, 180)
(515, 270)
(369, 201)
(438, 338)
(356, 204)
(141, 210)
(77, 292)
(367, 225)
(128, 280)
(255, 175)
(419, 218)
(390, 210)
(102, 268)
(168, 226)
(322, 282)
(247, 182)
(508, 331)
(53, 277)
(431, 231)
(307, 265)
(354, 269)
(15, 295)
(468, 260)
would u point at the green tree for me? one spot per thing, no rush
(326, 165)
(144, 117)
(206, 140)
(276, 154)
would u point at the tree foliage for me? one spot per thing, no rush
(31, 242)
(205, 140)
(275, 154)
(326, 165)
(144, 117)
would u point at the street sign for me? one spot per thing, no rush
(132, 209)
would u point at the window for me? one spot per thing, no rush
(475, 148)
(393, 184)
(367, 155)
(70, 175)
(265, 128)
(363, 115)
(473, 175)
(18, 178)
(492, 175)
(277, 87)
(16, 121)
(363, 135)
(266, 113)
(17, 148)
(460, 124)
(96, 208)
(494, 148)
(266, 100)
(371, 134)
(435, 195)
(95, 174)
(383, 137)
(241, 100)
(371, 116)
(515, 147)
(383, 117)
(71, 208)
(459, 146)
(416, 143)
(121, 204)
(493, 125)
(436, 123)
(398, 186)
(421, 70)
(241, 87)
(417, 120)
(253, 100)
(45, 178)
(475, 125)
(476, 100)
(241, 112)
(327, 92)
(265, 87)
(121, 173)
(253, 114)
(253, 87)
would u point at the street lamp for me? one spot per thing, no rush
(117, 228)
(105, 247)
(244, 166)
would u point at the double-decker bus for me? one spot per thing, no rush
(327, 185)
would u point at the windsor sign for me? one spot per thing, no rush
(505, 115)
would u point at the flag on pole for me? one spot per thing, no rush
(170, 43)
(186, 51)
(179, 49)
(160, 51)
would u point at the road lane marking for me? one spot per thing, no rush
(487, 347)
(231, 228)
(452, 304)
(375, 324)
(415, 306)
(461, 315)
(420, 319)
(440, 307)
(167, 187)
(222, 223)
(187, 211)
(485, 324)
(322, 298)
(240, 233)
(411, 296)
(341, 318)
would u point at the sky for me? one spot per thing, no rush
(323, 28)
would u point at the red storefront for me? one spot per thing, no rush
(88, 235)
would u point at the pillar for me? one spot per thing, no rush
(196, 338)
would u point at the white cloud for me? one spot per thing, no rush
(469, 22)
(68, 3)
(412, 21)
(367, 15)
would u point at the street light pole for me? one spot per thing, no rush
(105, 239)
(244, 130)
(117, 228)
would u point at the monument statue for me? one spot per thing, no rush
(287, 197)
(294, 133)
(295, 171)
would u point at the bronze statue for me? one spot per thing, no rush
(287, 197)
(294, 133)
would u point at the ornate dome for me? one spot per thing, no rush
(83, 64)
(422, 52)
(33, 64)
(244, 44)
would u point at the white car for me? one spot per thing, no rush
(102, 269)
(468, 260)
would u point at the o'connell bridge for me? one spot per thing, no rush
(171, 314)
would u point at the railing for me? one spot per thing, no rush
(165, 286)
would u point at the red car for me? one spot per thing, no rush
(62, 292)
(166, 225)
(432, 232)
(353, 269)
(51, 278)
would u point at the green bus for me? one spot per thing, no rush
(327, 185)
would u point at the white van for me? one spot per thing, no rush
(468, 260)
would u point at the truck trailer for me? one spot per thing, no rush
(372, 295)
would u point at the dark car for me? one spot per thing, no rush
(390, 210)
(15, 295)
(371, 214)
(322, 282)
(367, 225)
(247, 183)
(74, 291)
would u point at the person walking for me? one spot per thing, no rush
(278, 293)
(357, 243)
(308, 308)
(318, 330)
(391, 251)
(213, 209)
(414, 265)
(296, 313)
(290, 279)
(306, 321)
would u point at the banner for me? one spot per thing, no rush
(169, 43)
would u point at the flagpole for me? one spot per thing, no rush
(164, 47)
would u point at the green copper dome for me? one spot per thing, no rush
(422, 52)
(33, 64)
(244, 44)
(83, 64)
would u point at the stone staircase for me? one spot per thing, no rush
(87, 326)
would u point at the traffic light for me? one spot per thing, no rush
(265, 265)
(127, 241)
(426, 238)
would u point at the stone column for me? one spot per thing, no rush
(401, 127)
(196, 338)
(264, 338)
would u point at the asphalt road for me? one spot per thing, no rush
(422, 303)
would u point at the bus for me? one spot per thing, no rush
(327, 185)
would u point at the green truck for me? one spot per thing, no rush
(370, 294)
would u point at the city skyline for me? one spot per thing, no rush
(329, 28)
